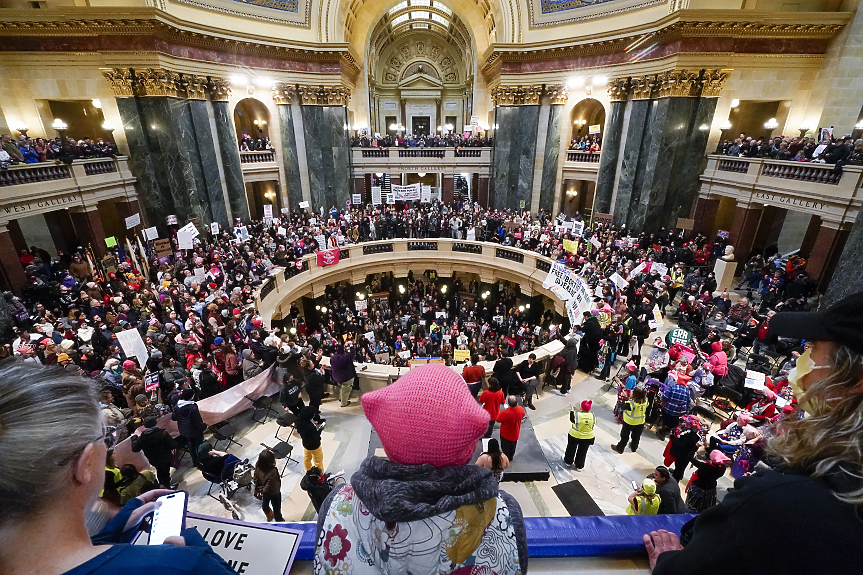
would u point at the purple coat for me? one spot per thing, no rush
(342, 366)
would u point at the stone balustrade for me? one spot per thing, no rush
(32, 173)
(580, 165)
(257, 157)
(578, 156)
(454, 160)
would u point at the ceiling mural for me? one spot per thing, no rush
(289, 12)
(559, 12)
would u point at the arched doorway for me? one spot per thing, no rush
(587, 116)
(251, 119)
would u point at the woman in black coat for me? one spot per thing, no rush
(314, 386)
(589, 348)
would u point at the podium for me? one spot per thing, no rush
(724, 272)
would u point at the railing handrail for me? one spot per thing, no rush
(580, 156)
(257, 151)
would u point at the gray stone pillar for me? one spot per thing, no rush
(618, 90)
(229, 152)
(551, 161)
(517, 118)
(846, 275)
(283, 96)
(328, 152)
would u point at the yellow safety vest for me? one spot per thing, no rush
(582, 427)
(644, 506)
(634, 413)
(677, 278)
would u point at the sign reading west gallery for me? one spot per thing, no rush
(43, 205)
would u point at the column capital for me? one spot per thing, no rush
(324, 95)
(517, 95)
(283, 94)
(121, 81)
(219, 89)
(678, 84)
(557, 94)
(643, 87)
(195, 87)
(618, 89)
(156, 82)
(712, 82)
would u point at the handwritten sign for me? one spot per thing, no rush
(376, 195)
(151, 233)
(304, 205)
(163, 247)
(461, 354)
(133, 221)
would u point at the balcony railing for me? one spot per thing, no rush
(815, 173)
(257, 157)
(421, 152)
(391, 156)
(33, 173)
(100, 167)
(739, 166)
(576, 156)
(376, 153)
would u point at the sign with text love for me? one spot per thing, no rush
(249, 547)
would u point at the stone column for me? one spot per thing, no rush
(88, 226)
(328, 152)
(557, 96)
(825, 253)
(283, 96)
(233, 194)
(517, 118)
(10, 265)
(447, 189)
(743, 230)
(705, 216)
(637, 138)
(618, 90)
(845, 279)
(810, 236)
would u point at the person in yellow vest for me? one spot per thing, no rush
(634, 410)
(581, 436)
(644, 501)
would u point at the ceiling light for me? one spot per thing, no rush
(401, 289)
(293, 331)
(59, 124)
(726, 125)
(106, 125)
(97, 103)
(521, 308)
(576, 82)
(771, 124)
(323, 309)
(421, 174)
(735, 102)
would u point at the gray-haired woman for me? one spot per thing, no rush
(52, 447)
(804, 516)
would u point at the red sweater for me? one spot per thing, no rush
(473, 373)
(491, 401)
(510, 422)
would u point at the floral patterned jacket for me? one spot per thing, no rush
(420, 523)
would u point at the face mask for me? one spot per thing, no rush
(804, 365)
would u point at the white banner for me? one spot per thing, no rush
(376, 195)
(561, 282)
(133, 221)
(133, 346)
(407, 193)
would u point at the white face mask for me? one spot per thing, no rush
(804, 365)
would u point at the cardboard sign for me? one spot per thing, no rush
(268, 211)
(376, 195)
(685, 223)
(132, 344)
(109, 264)
(356, 199)
(461, 354)
(151, 233)
(151, 381)
(304, 205)
(163, 248)
(133, 221)
(172, 220)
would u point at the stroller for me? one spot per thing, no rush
(235, 475)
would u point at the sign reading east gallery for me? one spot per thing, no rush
(26, 207)
(789, 200)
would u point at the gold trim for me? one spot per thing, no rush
(557, 94)
(219, 89)
(643, 87)
(532, 95)
(195, 87)
(156, 82)
(283, 94)
(618, 89)
(678, 84)
(121, 81)
(324, 95)
(712, 82)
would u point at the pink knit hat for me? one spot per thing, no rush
(427, 416)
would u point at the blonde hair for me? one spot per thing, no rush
(822, 444)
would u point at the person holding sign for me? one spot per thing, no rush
(46, 498)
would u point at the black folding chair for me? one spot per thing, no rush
(286, 420)
(282, 450)
(223, 432)
(263, 403)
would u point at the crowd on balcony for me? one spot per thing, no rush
(839, 151)
(589, 144)
(259, 144)
(33, 151)
(421, 141)
(204, 335)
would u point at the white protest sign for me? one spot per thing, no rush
(376, 195)
(577, 228)
(568, 225)
(561, 282)
(405, 354)
(658, 268)
(304, 205)
(151, 233)
(657, 318)
(595, 242)
(619, 281)
(391, 198)
(190, 229)
(172, 220)
(151, 381)
(132, 344)
(370, 336)
(214, 228)
(322, 242)
(754, 380)
(361, 304)
(638, 269)
(242, 234)
(471, 234)
(133, 221)
(313, 221)
(200, 275)
(268, 211)
(356, 199)
(425, 195)
(407, 193)
(282, 231)
(185, 240)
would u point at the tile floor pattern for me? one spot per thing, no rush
(607, 476)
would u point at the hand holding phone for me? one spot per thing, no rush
(169, 518)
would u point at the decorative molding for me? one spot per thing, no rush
(585, 16)
(618, 89)
(530, 95)
(151, 82)
(283, 94)
(121, 81)
(219, 89)
(678, 84)
(643, 87)
(263, 15)
(324, 95)
(195, 87)
(712, 82)
(557, 94)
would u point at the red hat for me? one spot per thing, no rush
(256, 322)
(128, 365)
(586, 405)
(237, 311)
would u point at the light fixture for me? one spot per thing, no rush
(859, 125)
(59, 124)
(484, 296)
(449, 127)
(576, 82)
(362, 296)
(317, 307)
(421, 174)
(108, 126)
(379, 174)
(805, 127)
(735, 102)
(726, 125)
(239, 80)
(401, 289)
(521, 308)
(703, 127)
(323, 309)
(600, 80)
(443, 288)
(771, 124)
(22, 128)
(270, 195)
(152, 126)
(440, 128)
(97, 103)
(527, 305)
(293, 331)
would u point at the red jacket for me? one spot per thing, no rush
(510, 422)
(718, 360)
(491, 401)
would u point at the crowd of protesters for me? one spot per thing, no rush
(421, 141)
(590, 144)
(840, 151)
(33, 151)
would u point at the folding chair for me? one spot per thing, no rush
(286, 420)
(223, 432)
(282, 450)
(263, 403)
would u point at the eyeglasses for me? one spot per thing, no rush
(108, 435)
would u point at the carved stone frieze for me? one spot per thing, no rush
(643, 87)
(712, 82)
(679, 84)
(527, 95)
(618, 89)
(532, 95)
(156, 82)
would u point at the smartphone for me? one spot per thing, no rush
(169, 519)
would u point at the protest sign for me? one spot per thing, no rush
(658, 268)
(361, 305)
(425, 196)
(570, 246)
(185, 240)
(132, 344)
(595, 242)
(356, 199)
(461, 354)
(172, 220)
(561, 282)
(151, 381)
(242, 234)
(304, 205)
(577, 228)
(133, 221)
(163, 248)
(268, 211)
(376, 195)
(190, 229)
(151, 233)
(407, 193)
(111, 242)
(618, 281)
(214, 228)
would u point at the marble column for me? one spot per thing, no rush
(845, 279)
(88, 227)
(10, 265)
(618, 89)
(447, 189)
(202, 166)
(826, 252)
(283, 96)
(743, 230)
(632, 159)
(517, 118)
(551, 161)
(328, 154)
(232, 167)
(705, 216)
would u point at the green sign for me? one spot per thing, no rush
(521, 204)
(110, 242)
(678, 335)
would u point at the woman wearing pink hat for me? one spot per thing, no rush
(701, 494)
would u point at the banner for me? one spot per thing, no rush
(407, 193)
(461, 354)
(328, 257)
(570, 246)
(268, 211)
(376, 195)
(562, 282)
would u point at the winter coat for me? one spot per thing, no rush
(156, 443)
(449, 519)
(342, 365)
(188, 418)
(251, 367)
(718, 361)
(314, 387)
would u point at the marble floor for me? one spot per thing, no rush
(607, 476)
